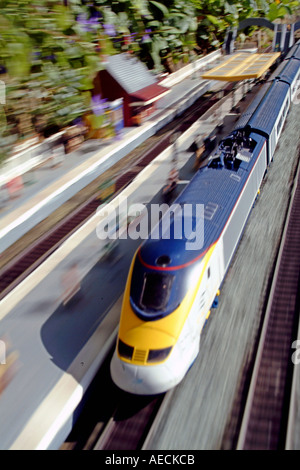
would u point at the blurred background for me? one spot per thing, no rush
(52, 50)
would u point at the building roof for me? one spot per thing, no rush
(131, 74)
(148, 95)
(242, 66)
(135, 79)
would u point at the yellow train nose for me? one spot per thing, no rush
(142, 356)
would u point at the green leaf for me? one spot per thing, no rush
(154, 24)
(161, 7)
(63, 17)
(215, 21)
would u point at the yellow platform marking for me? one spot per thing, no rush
(242, 66)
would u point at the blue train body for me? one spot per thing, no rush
(171, 288)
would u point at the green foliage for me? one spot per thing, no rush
(155, 28)
(50, 61)
(280, 9)
(51, 50)
(215, 16)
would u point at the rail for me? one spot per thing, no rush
(265, 418)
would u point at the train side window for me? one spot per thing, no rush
(208, 273)
(279, 125)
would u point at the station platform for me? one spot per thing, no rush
(46, 187)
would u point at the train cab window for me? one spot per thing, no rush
(156, 291)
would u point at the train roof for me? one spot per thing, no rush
(246, 115)
(286, 72)
(294, 51)
(277, 71)
(265, 116)
(218, 190)
(290, 71)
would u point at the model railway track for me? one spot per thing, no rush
(265, 419)
(14, 272)
(123, 423)
(129, 426)
(29, 259)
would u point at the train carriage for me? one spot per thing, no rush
(270, 116)
(247, 114)
(172, 283)
(171, 288)
(291, 75)
(294, 52)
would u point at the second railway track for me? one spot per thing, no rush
(128, 428)
(264, 425)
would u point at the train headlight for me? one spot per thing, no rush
(124, 350)
(158, 355)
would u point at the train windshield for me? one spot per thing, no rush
(156, 291)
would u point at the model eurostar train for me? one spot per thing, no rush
(170, 289)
